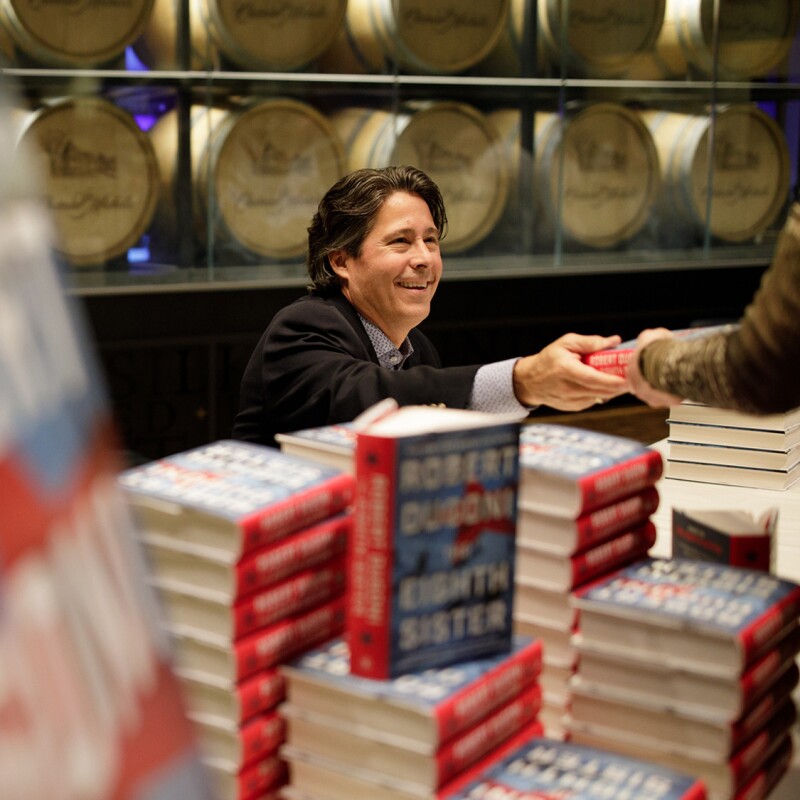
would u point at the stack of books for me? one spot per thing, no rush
(715, 445)
(690, 664)
(430, 682)
(247, 548)
(585, 503)
(418, 735)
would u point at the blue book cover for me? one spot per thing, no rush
(547, 769)
(432, 561)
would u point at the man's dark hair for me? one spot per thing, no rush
(347, 213)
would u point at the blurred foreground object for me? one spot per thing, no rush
(89, 707)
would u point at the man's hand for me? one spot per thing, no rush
(637, 385)
(557, 377)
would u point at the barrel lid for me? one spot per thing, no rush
(749, 175)
(276, 161)
(603, 170)
(263, 34)
(602, 36)
(439, 36)
(74, 32)
(100, 176)
(457, 146)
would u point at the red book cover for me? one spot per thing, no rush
(260, 693)
(303, 590)
(773, 712)
(570, 472)
(616, 552)
(615, 360)
(261, 736)
(507, 679)
(433, 509)
(754, 754)
(461, 753)
(231, 660)
(266, 775)
(777, 661)
(305, 549)
(605, 522)
(286, 639)
(565, 573)
(530, 731)
(767, 777)
(236, 496)
(565, 537)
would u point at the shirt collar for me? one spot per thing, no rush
(389, 356)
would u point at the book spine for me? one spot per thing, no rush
(617, 552)
(753, 754)
(463, 751)
(304, 590)
(612, 362)
(261, 737)
(263, 776)
(602, 524)
(760, 677)
(265, 649)
(765, 780)
(260, 693)
(765, 631)
(370, 567)
(500, 684)
(530, 731)
(302, 550)
(620, 480)
(303, 508)
(772, 712)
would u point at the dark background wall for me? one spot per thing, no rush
(173, 360)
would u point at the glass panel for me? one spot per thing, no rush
(187, 142)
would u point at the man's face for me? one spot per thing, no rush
(393, 279)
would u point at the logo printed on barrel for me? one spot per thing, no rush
(452, 170)
(609, 19)
(84, 204)
(446, 20)
(67, 160)
(279, 12)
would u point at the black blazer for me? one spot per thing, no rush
(315, 365)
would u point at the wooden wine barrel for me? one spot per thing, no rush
(452, 142)
(419, 36)
(598, 37)
(73, 33)
(748, 172)
(595, 173)
(261, 35)
(258, 172)
(100, 176)
(754, 37)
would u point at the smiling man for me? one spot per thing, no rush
(375, 264)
